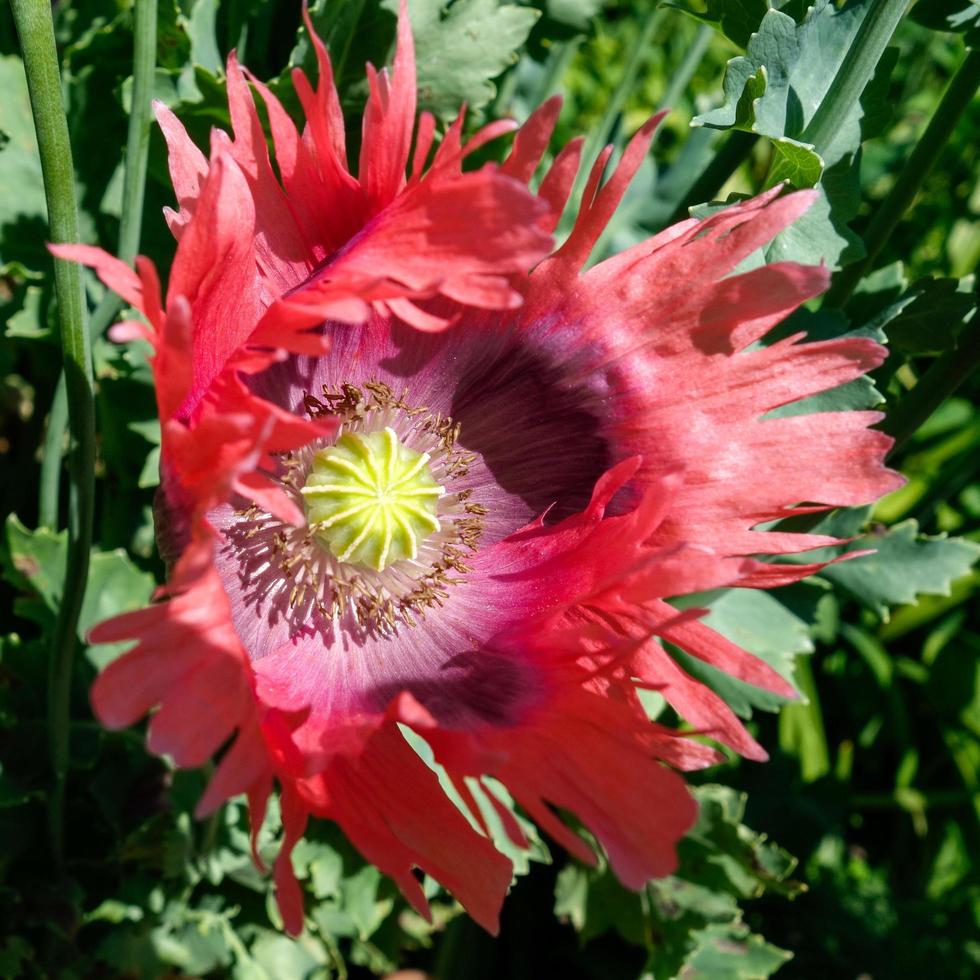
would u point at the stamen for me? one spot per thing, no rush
(386, 533)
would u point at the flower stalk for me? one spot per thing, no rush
(603, 132)
(138, 135)
(855, 72)
(130, 228)
(955, 100)
(35, 29)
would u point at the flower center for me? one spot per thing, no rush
(390, 521)
(370, 499)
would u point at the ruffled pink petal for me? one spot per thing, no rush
(116, 275)
(598, 205)
(392, 808)
(425, 239)
(245, 764)
(283, 252)
(693, 701)
(591, 756)
(188, 167)
(389, 119)
(558, 181)
(214, 696)
(182, 644)
(214, 269)
(682, 326)
(532, 141)
(289, 895)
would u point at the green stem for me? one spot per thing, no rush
(138, 136)
(855, 72)
(934, 798)
(35, 29)
(956, 99)
(733, 152)
(49, 483)
(559, 58)
(681, 76)
(944, 376)
(639, 51)
(130, 227)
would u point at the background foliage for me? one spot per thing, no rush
(873, 785)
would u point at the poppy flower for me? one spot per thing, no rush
(419, 471)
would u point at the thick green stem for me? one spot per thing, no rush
(855, 72)
(36, 32)
(130, 227)
(955, 101)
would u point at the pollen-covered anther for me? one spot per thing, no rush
(371, 499)
(388, 529)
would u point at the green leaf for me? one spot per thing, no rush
(760, 624)
(15, 956)
(23, 212)
(722, 852)
(114, 911)
(736, 19)
(877, 103)
(952, 863)
(800, 62)
(905, 565)
(200, 28)
(720, 863)
(35, 560)
(574, 13)
(597, 904)
(775, 90)
(950, 15)
(461, 46)
(796, 163)
(361, 904)
(31, 321)
(821, 233)
(198, 947)
(282, 958)
(732, 953)
(934, 315)
(876, 291)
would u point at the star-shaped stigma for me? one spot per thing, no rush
(370, 499)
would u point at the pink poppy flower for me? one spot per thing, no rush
(418, 472)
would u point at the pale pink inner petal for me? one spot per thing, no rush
(537, 448)
(537, 437)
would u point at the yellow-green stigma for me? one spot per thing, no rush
(371, 500)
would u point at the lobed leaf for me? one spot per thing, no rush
(461, 47)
